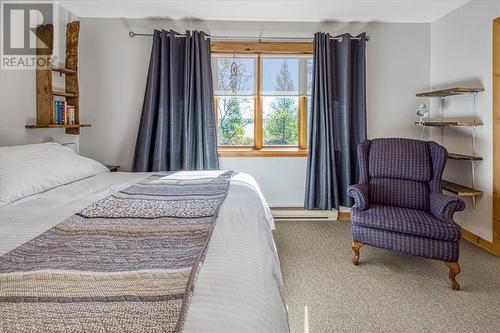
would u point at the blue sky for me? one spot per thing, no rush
(271, 68)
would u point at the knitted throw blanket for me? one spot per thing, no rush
(126, 263)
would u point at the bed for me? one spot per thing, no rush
(238, 286)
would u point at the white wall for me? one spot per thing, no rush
(114, 69)
(461, 54)
(18, 100)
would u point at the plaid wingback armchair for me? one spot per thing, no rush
(399, 205)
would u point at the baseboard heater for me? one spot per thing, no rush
(299, 213)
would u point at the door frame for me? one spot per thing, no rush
(496, 134)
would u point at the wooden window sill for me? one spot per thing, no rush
(263, 152)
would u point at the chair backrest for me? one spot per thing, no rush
(401, 172)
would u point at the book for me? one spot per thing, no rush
(56, 112)
(70, 109)
(63, 113)
(59, 112)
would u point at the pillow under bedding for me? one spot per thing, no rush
(31, 169)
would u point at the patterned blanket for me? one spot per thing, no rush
(127, 263)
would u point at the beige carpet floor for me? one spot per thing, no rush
(387, 292)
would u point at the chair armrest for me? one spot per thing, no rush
(444, 206)
(359, 192)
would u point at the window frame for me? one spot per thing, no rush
(258, 49)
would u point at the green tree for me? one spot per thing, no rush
(281, 125)
(231, 124)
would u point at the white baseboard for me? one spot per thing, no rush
(299, 213)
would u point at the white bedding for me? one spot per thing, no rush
(239, 286)
(29, 169)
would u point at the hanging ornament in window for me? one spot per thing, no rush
(233, 80)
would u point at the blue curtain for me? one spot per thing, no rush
(338, 119)
(177, 126)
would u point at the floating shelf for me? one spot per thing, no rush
(462, 191)
(58, 126)
(446, 123)
(63, 93)
(463, 157)
(61, 69)
(450, 92)
(442, 123)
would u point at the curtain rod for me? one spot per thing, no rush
(134, 34)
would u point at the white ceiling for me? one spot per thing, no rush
(404, 11)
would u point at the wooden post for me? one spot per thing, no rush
(258, 133)
(72, 32)
(496, 135)
(44, 49)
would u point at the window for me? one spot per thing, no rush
(234, 88)
(262, 100)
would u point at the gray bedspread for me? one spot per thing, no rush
(126, 263)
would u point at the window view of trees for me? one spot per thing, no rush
(235, 129)
(283, 80)
(281, 122)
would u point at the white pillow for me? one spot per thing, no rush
(30, 169)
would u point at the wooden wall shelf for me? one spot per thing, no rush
(451, 92)
(463, 157)
(58, 126)
(63, 93)
(45, 90)
(442, 123)
(63, 70)
(462, 191)
(446, 123)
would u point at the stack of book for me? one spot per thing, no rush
(64, 114)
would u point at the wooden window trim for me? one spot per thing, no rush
(267, 151)
(264, 48)
(258, 121)
(302, 122)
(261, 47)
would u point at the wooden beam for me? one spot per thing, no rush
(261, 47)
(44, 101)
(71, 86)
(496, 134)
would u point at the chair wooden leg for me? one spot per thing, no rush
(355, 247)
(454, 269)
